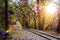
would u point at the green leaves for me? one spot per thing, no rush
(1, 12)
(13, 6)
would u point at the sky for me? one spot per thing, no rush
(15, 0)
(28, 1)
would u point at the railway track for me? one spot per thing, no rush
(48, 37)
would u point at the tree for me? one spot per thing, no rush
(58, 27)
(2, 13)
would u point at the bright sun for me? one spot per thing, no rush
(51, 8)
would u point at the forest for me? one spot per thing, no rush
(34, 14)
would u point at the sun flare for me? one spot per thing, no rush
(51, 8)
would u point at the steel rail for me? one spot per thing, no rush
(38, 34)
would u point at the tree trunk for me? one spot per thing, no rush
(58, 28)
(6, 17)
(38, 11)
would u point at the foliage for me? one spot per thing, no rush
(13, 6)
(2, 13)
